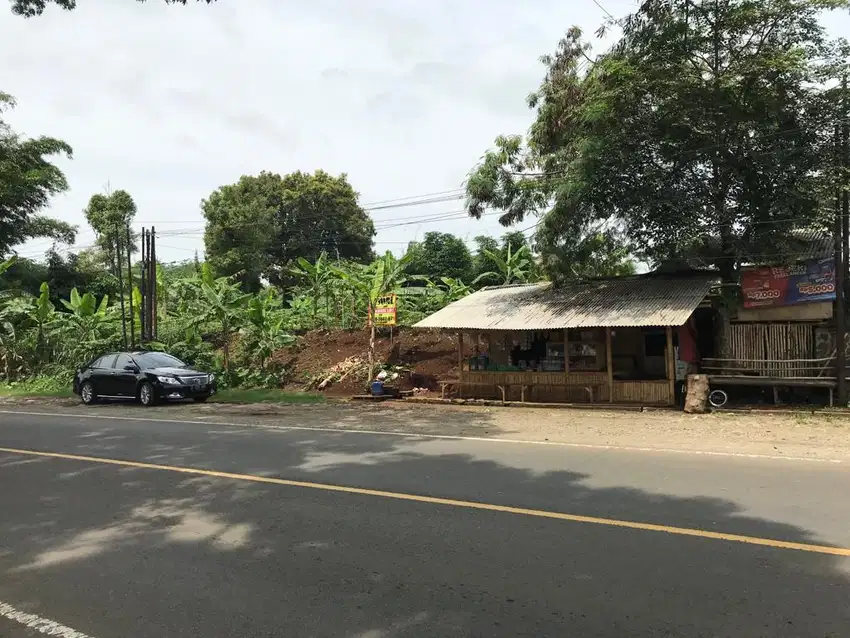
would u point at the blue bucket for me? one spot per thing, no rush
(377, 388)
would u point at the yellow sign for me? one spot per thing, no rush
(385, 311)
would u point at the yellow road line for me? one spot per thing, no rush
(434, 500)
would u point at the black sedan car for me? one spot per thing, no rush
(148, 377)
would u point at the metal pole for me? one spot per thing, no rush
(144, 309)
(153, 286)
(130, 289)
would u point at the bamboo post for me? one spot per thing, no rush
(566, 355)
(671, 366)
(460, 364)
(609, 355)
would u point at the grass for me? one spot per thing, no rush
(240, 395)
(53, 388)
(40, 387)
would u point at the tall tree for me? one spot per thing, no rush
(441, 255)
(482, 262)
(599, 253)
(109, 215)
(27, 182)
(261, 225)
(31, 8)
(700, 132)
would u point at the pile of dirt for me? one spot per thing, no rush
(421, 358)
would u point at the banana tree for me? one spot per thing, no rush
(384, 276)
(88, 328)
(223, 303)
(264, 332)
(317, 276)
(512, 267)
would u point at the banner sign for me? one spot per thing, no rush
(805, 282)
(385, 311)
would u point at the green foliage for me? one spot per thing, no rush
(702, 132)
(109, 215)
(27, 182)
(8, 263)
(260, 226)
(31, 8)
(596, 254)
(440, 255)
(511, 268)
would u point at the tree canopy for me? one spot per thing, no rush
(701, 132)
(440, 255)
(27, 182)
(261, 225)
(31, 8)
(109, 215)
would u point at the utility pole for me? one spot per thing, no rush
(840, 309)
(845, 194)
(842, 249)
(130, 290)
(143, 311)
(120, 274)
(152, 285)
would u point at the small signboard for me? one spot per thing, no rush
(805, 282)
(386, 309)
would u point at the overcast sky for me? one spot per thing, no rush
(171, 102)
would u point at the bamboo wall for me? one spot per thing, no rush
(558, 387)
(759, 346)
(643, 392)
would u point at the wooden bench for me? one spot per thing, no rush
(448, 384)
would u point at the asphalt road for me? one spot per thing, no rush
(430, 537)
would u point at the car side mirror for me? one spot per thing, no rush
(131, 368)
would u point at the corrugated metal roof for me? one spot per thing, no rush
(622, 302)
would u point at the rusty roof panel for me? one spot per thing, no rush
(621, 302)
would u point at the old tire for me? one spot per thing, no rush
(147, 395)
(87, 393)
(718, 398)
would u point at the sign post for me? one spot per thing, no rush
(386, 311)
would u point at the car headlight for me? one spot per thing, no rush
(211, 379)
(169, 380)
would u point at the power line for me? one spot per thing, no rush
(454, 191)
(599, 4)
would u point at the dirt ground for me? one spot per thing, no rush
(803, 435)
(423, 356)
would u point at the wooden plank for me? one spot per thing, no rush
(671, 366)
(460, 356)
(566, 353)
(609, 355)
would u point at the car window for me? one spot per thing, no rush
(122, 361)
(105, 362)
(149, 360)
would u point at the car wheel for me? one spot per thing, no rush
(147, 396)
(200, 399)
(87, 393)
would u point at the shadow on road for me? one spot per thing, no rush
(135, 552)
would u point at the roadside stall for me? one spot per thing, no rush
(608, 340)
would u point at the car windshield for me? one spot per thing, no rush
(158, 360)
